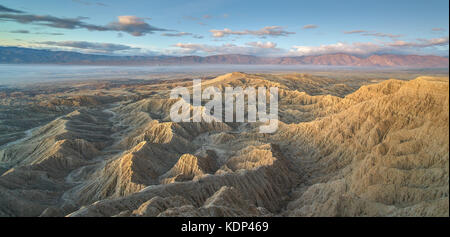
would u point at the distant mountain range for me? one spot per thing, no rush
(17, 55)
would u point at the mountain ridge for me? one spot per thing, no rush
(18, 55)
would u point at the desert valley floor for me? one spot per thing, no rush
(344, 147)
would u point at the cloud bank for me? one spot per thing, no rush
(367, 48)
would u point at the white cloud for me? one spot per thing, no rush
(133, 25)
(366, 48)
(252, 48)
(355, 48)
(265, 31)
(264, 45)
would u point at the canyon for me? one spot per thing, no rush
(343, 147)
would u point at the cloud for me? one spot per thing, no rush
(367, 48)
(35, 33)
(265, 31)
(46, 33)
(438, 29)
(51, 21)
(5, 9)
(200, 20)
(266, 45)
(436, 45)
(195, 19)
(250, 49)
(86, 3)
(191, 18)
(422, 43)
(133, 25)
(20, 32)
(90, 46)
(310, 27)
(355, 32)
(180, 34)
(82, 2)
(375, 34)
(204, 17)
(355, 48)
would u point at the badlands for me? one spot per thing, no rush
(359, 147)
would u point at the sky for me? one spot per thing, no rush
(211, 27)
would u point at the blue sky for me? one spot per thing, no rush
(207, 27)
